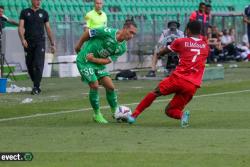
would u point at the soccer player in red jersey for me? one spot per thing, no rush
(186, 78)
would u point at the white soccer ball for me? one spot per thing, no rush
(122, 113)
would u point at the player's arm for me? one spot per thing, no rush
(50, 36)
(21, 31)
(245, 19)
(102, 61)
(163, 51)
(85, 36)
(13, 22)
(174, 47)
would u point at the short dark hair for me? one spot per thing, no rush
(194, 27)
(208, 6)
(129, 22)
(201, 4)
(1, 7)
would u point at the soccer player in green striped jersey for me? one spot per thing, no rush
(101, 47)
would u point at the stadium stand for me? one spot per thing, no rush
(120, 9)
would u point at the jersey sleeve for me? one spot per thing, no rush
(114, 57)
(175, 46)
(5, 18)
(22, 15)
(46, 17)
(88, 20)
(161, 38)
(100, 32)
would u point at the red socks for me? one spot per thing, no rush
(146, 102)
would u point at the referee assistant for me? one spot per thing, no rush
(31, 32)
(96, 18)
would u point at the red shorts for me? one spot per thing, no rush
(184, 91)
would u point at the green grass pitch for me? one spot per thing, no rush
(219, 132)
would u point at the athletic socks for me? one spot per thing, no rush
(146, 102)
(94, 100)
(112, 99)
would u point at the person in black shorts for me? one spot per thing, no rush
(31, 31)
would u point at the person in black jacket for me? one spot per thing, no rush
(32, 35)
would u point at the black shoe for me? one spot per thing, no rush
(151, 73)
(39, 90)
(35, 91)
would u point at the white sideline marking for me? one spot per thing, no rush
(105, 107)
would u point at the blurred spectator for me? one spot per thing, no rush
(243, 50)
(214, 43)
(246, 19)
(226, 39)
(227, 42)
(167, 37)
(96, 18)
(208, 15)
(215, 32)
(4, 18)
(200, 16)
(232, 33)
(245, 39)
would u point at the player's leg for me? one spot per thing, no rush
(39, 57)
(29, 59)
(88, 75)
(152, 72)
(95, 102)
(165, 87)
(111, 96)
(179, 101)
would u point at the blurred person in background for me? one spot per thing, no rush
(232, 33)
(200, 15)
(4, 19)
(246, 19)
(167, 37)
(208, 14)
(32, 23)
(96, 18)
(214, 43)
(227, 42)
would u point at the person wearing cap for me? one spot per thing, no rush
(168, 35)
(96, 18)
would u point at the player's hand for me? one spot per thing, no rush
(77, 49)
(90, 57)
(53, 49)
(25, 43)
(245, 19)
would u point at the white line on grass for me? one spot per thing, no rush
(105, 107)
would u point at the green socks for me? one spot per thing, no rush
(112, 99)
(94, 100)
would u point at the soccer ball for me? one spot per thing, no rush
(122, 113)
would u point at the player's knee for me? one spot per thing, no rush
(110, 89)
(167, 110)
(173, 112)
(93, 86)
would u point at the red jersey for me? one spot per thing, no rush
(193, 53)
